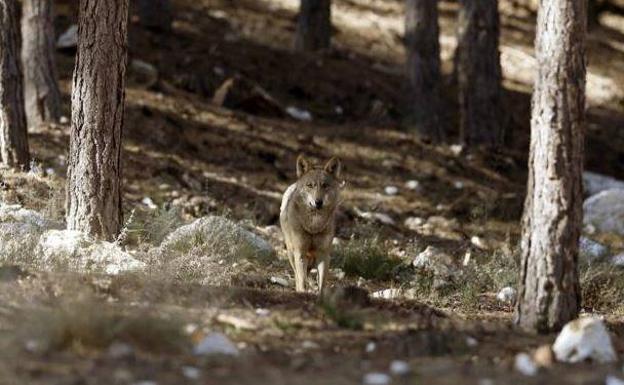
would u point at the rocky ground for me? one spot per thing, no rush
(196, 289)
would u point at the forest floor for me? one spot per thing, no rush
(235, 158)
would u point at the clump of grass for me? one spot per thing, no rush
(347, 317)
(151, 226)
(90, 323)
(366, 257)
(602, 286)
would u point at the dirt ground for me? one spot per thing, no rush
(182, 150)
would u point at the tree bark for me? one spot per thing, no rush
(156, 14)
(93, 182)
(479, 73)
(41, 90)
(313, 25)
(13, 134)
(549, 294)
(423, 65)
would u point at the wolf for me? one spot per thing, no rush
(308, 218)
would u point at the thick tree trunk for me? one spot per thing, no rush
(93, 182)
(313, 25)
(13, 136)
(423, 65)
(479, 73)
(549, 293)
(156, 14)
(41, 90)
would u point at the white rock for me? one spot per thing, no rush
(594, 183)
(376, 379)
(237, 322)
(299, 114)
(618, 260)
(69, 38)
(147, 201)
(486, 381)
(612, 380)
(412, 184)
(16, 213)
(582, 339)
(471, 342)
(339, 274)
(64, 120)
(592, 251)
(605, 211)
(478, 242)
(307, 344)
(215, 343)
(456, 149)
(145, 382)
(437, 261)
(76, 251)
(378, 217)
(399, 368)
(391, 190)
(279, 281)
(458, 184)
(370, 347)
(221, 238)
(387, 294)
(147, 72)
(525, 365)
(119, 350)
(191, 372)
(262, 312)
(507, 295)
(414, 223)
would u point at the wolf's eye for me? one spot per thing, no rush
(310, 185)
(324, 185)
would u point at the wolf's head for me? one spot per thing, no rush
(318, 188)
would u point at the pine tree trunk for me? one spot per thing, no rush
(93, 182)
(479, 73)
(41, 90)
(313, 25)
(156, 14)
(549, 294)
(423, 65)
(13, 134)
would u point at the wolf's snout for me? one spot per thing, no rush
(318, 203)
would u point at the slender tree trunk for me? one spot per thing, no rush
(313, 25)
(13, 135)
(41, 90)
(549, 293)
(156, 14)
(479, 73)
(423, 65)
(98, 93)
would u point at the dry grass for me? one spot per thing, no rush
(91, 323)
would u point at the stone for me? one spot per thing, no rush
(585, 338)
(605, 211)
(507, 295)
(399, 368)
(76, 251)
(593, 183)
(524, 364)
(376, 379)
(215, 344)
(592, 251)
(69, 38)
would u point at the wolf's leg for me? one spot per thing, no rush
(323, 268)
(301, 271)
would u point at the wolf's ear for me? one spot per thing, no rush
(333, 167)
(303, 165)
